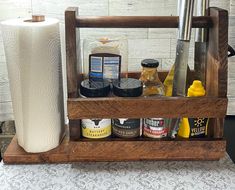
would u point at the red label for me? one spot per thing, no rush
(155, 128)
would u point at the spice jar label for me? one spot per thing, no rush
(96, 128)
(198, 127)
(126, 128)
(155, 127)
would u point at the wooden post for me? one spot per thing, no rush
(72, 52)
(217, 64)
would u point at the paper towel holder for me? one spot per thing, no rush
(36, 18)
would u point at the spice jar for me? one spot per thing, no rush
(95, 128)
(124, 127)
(152, 86)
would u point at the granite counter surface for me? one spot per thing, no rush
(150, 175)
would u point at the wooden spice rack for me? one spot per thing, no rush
(214, 105)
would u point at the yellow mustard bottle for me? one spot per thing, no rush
(168, 82)
(194, 127)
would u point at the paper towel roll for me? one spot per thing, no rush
(33, 57)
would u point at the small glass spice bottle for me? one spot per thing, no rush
(152, 86)
(95, 128)
(127, 127)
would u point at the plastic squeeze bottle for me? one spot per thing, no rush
(194, 127)
(168, 82)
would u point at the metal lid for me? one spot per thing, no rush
(151, 63)
(93, 88)
(127, 87)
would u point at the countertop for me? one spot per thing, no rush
(146, 175)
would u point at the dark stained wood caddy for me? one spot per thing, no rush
(214, 105)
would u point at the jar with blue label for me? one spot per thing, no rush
(105, 58)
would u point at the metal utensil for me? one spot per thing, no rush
(200, 50)
(231, 51)
(182, 52)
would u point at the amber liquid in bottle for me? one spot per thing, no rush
(152, 86)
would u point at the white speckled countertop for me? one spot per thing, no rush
(149, 175)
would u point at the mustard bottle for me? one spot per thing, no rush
(168, 82)
(194, 127)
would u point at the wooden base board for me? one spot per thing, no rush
(119, 150)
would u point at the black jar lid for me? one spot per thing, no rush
(127, 87)
(93, 88)
(151, 63)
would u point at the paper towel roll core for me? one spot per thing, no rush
(33, 57)
(36, 18)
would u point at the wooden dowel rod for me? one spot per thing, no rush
(138, 22)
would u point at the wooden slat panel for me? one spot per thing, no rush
(138, 22)
(119, 150)
(167, 107)
(75, 129)
(217, 64)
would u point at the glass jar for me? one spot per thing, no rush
(125, 127)
(105, 58)
(152, 86)
(95, 128)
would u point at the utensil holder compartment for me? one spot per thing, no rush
(213, 106)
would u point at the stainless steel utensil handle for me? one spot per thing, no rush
(185, 19)
(202, 6)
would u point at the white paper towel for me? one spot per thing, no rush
(33, 59)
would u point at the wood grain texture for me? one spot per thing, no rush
(217, 64)
(138, 22)
(119, 150)
(216, 127)
(74, 129)
(71, 51)
(166, 107)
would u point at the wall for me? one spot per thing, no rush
(143, 43)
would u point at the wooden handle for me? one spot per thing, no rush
(138, 22)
